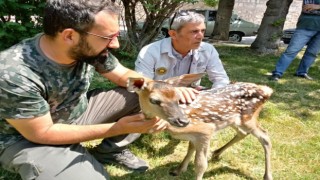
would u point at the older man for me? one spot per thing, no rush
(182, 53)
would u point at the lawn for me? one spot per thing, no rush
(291, 117)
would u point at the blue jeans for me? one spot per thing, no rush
(300, 38)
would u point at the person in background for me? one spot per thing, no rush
(46, 110)
(307, 33)
(182, 53)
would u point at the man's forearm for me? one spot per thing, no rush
(41, 130)
(70, 134)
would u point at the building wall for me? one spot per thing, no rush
(253, 10)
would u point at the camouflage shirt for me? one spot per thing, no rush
(31, 85)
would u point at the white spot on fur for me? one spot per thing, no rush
(205, 114)
(255, 100)
(213, 118)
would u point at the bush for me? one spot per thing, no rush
(19, 19)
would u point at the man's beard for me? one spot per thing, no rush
(81, 51)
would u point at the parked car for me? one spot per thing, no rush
(238, 27)
(287, 34)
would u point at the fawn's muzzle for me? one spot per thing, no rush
(179, 122)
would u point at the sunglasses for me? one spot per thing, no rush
(110, 37)
(176, 15)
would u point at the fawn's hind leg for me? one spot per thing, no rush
(239, 136)
(264, 139)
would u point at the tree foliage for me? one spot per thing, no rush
(212, 3)
(19, 19)
(155, 13)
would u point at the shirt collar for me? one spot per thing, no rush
(166, 47)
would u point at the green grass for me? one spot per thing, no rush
(291, 118)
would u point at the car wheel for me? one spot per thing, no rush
(235, 36)
(287, 41)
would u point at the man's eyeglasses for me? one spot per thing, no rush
(110, 37)
(178, 14)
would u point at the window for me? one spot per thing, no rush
(212, 15)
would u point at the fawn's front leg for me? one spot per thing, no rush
(199, 135)
(184, 164)
(201, 146)
(201, 158)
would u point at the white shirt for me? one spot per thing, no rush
(156, 61)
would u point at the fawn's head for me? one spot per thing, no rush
(158, 98)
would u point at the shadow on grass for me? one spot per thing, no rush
(154, 151)
(227, 170)
(158, 173)
(162, 173)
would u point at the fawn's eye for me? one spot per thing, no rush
(155, 101)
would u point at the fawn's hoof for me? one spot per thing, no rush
(173, 172)
(215, 157)
(267, 176)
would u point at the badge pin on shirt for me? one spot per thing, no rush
(161, 70)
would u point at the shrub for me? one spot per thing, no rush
(19, 19)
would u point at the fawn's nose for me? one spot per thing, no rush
(179, 122)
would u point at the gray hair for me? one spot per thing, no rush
(183, 17)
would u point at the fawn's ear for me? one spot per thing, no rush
(135, 84)
(185, 80)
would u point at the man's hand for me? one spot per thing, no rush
(310, 7)
(159, 126)
(187, 95)
(138, 124)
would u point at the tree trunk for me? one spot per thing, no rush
(222, 23)
(270, 31)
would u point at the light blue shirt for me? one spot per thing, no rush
(157, 61)
(183, 63)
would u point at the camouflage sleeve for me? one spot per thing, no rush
(106, 65)
(20, 95)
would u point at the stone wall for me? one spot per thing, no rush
(253, 10)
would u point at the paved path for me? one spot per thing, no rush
(246, 41)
